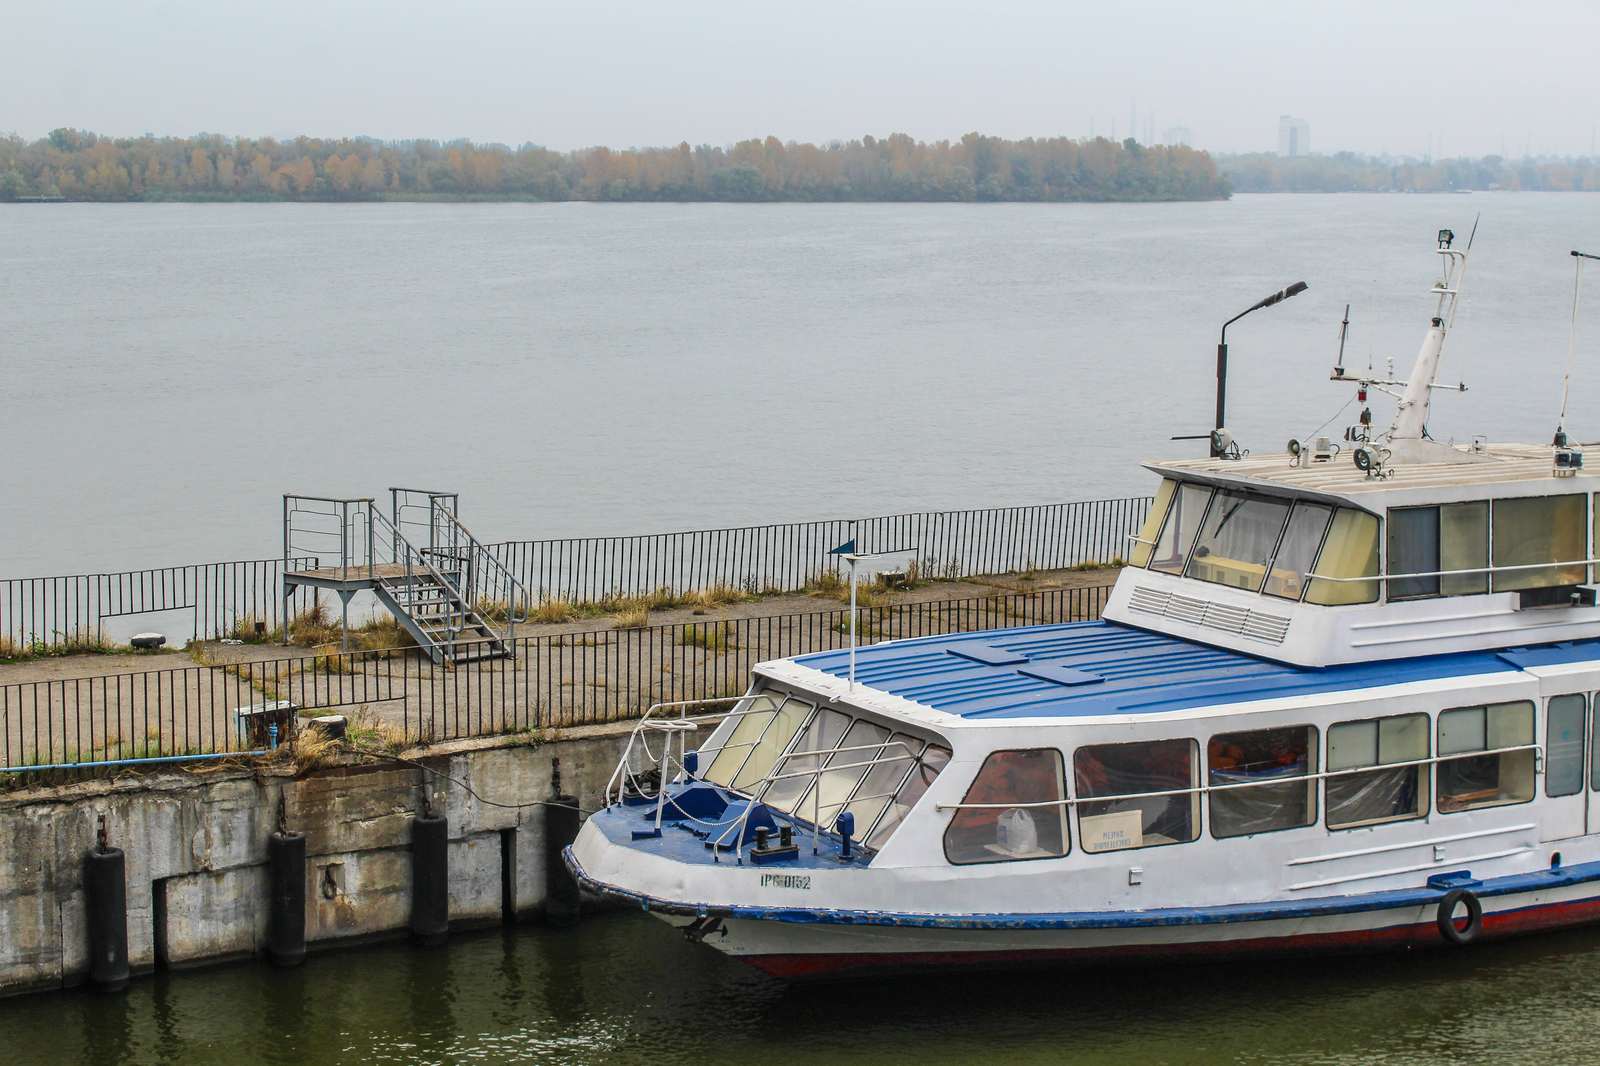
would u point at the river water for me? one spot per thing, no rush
(624, 988)
(169, 370)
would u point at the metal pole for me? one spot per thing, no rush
(852, 560)
(1222, 388)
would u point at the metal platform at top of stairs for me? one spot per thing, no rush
(420, 561)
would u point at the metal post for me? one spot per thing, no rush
(852, 560)
(1222, 388)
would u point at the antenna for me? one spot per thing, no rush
(1344, 329)
(1578, 257)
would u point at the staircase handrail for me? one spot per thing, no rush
(415, 560)
(517, 599)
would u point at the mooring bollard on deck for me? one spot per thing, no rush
(430, 877)
(105, 885)
(560, 830)
(286, 927)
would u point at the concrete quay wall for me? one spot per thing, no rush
(196, 851)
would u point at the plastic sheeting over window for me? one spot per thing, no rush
(1486, 780)
(1381, 795)
(730, 744)
(1108, 770)
(1269, 768)
(780, 730)
(1007, 834)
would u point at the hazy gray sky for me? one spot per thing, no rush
(1370, 77)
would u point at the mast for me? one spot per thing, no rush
(1411, 413)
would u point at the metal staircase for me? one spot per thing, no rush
(442, 594)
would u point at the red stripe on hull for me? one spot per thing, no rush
(1495, 926)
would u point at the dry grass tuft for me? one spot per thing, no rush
(367, 730)
(313, 626)
(632, 618)
(712, 637)
(553, 611)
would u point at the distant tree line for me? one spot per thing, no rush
(84, 166)
(1347, 172)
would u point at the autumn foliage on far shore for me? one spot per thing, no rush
(77, 165)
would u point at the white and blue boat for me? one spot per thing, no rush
(1342, 698)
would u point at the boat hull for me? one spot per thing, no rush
(798, 950)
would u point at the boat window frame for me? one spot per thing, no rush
(1060, 807)
(1425, 765)
(1247, 496)
(1172, 513)
(1316, 553)
(1311, 779)
(921, 760)
(1532, 749)
(1584, 743)
(1193, 793)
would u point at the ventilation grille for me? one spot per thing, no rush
(1257, 625)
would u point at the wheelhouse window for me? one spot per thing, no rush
(1496, 778)
(1143, 546)
(1385, 793)
(1104, 772)
(1028, 819)
(1540, 529)
(911, 789)
(1180, 528)
(1307, 523)
(1350, 552)
(1563, 744)
(1237, 539)
(1262, 780)
(1427, 540)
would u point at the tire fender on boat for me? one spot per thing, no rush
(1446, 918)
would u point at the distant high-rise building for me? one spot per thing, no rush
(1178, 135)
(1294, 136)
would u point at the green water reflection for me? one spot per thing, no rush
(625, 988)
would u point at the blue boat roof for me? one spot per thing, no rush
(1083, 669)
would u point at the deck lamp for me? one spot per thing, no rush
(1218, 440)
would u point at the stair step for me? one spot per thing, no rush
(461, 658)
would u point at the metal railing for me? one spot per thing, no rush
(52, 612)
(785, 557)
(225, 599)
(483, 580)
(554, 680)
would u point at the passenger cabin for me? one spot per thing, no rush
(1318, 563)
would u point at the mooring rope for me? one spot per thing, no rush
(468, 789)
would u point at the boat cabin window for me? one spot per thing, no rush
(730, 744)
(1540, 529)
(1563, 744)
(1427, 540)
(791, 770)
(1262, 780)
(1180, 528)
(1142, 548)
(762, 733)
(1493, 779)
(1357, 796)
(824, 796)
(906, 795)
(1307, 523)
(1351, 551)
(1035, 828)
(1237, 539)
(1133, 771)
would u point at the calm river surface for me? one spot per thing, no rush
(624, 988)
(169, 370)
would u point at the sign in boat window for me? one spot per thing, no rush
(1022, 813)
(1489, 780)
(1261, 780)
(1387, 793)
(1134, 771)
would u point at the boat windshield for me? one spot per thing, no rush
(818, 762)
(1237, 539)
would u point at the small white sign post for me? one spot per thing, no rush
(847, 552)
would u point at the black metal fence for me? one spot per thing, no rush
(555, 680)
(78, 608)
(54, 612)
(782, 558)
